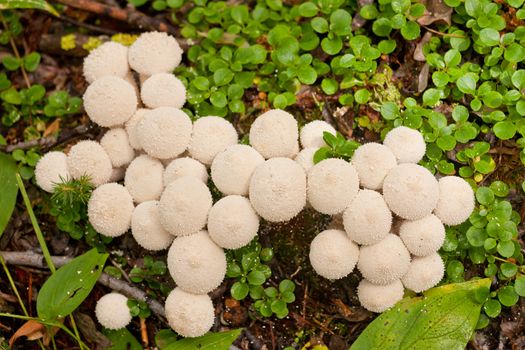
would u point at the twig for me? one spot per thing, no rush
(91, 27)
(443, 34)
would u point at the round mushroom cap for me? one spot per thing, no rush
(50, 170)
(109, 209)
(110, 101)
(373, 161)
(163, 90)
(456, 200)
(164, 132)
(196, 263)
(278, 189)
(131, 128)
(117, 174)
(116, 144)
(332, 185)
(367, 220)
(232, 222)
(424, 236)
(305, 158)
(146, 227)
(333, 255)
(186, 166)
(88, 158)
(384, 262)
(210, 136)
(377, 297)
(189, 315)
(184, 206)
(407, 144)
(312, 133)
(232, 169)
(274, 134)
(112, 311)
(411, 191)
(143, 179)
(110, 58)
(154, 52)
(424, 273)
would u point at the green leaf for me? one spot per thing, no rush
(508, 296)
(122, 339)
(332, 46)
(28, 4)
(467, 83)
(484, 195)
(319, 24)
(286, 286)
(256, 278)
(329, 86)
(240, 290)
(519, 285)
(8, 189)
(307, 75)
(308, 9)
(164, 338)
(505, 130)
(410, 30)
(11, 62)
(222, 76)
(492, 308)
(341, 22)
(210, 341)
(390, 111)
(32, 61)
(489, 37)
(514, 53)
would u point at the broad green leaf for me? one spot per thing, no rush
(8, 189)
(122, 339)
(28, 4)
(210, 341)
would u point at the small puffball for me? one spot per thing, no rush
(274, 134)
(232, 222)
(110, 58)
(384, 262)
(110, 101)
(332, 185)
(210, 136)
(278, 189)
(367, 220)
(407, 144)
(143, 179)
(50, 170)
(424, 236)
(305, 158)
(184, 206)
(88, 158)
(164, 132)
(379, 298)
(109, 209)
(232, 169)
(131, 128)
(456, 200)
(154, 52)
(112, 311)
(373, 161)
(196, 263)
(116, 144)
(333, 255)
(189, 315)
(146, 227)
(411, 191)
(424, 273)
(312, 133)
(163, 90)
(186, 166)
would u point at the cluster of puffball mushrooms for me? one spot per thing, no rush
(391, 211)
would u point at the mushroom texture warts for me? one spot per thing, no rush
(379, 298)
(407, 144)
(163, 90)
(210, 136)
(154, 52)
(109, 209)
(89, 158)
(186, 166)
(424, 273)
(424, 236)
(188, 314)
(372, 162)
(110, 58)
(116, 144)
(305, 157)
(456, 200)
(112, 311)
(146, 227)
(143, 179)
(274, 134)
(50, 170)
(312, 133)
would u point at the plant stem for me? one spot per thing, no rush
(17, 54)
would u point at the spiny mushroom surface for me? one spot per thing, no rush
(377, 297)
(90, 159)
(163, 90)
(210, 136)
(110, 58)
(424, 273)
(116, 144)
(312, 133)
(146, 227)
(305, 158)
(373, 161)
(154, 52)
(456, 200)
(407, 144)
(274, 134)
(143, 179)
(189, 315)
(112, 311)
(109, 209)
(50, 170)
(424, 236)
(182, 167)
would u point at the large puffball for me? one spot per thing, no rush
(312, 133)
(424, 273)
(143, 179)
(367, 220)
(184, 206)
(112, 311)
(110, 58)
(116, 144)
(424, 236)
(305, 158)
(146, 227)
(109, 209)
(333, 255)
(274, 134)
(232, 169)
(332, 185)
(196, 263)
(185, 166)
(50, 170)
(407, 144)
(278, 189)
(189, 315)
(163, 90)
(411, 191)
(154, 52)
(456, 200)
(210, 136)
(110, 101)
(232, 222)
(373, 161)
(379, 298)
(131, 128)
(88, 158)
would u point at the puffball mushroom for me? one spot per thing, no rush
(377, 297)
(384, 262)
(232, 169)
(184, 206)
(112, 311)
(154, 52)
(456, 200)
(424, 273)
(50, 170)
(274, 134)
(424, 236)
(189, 315)
(332, 185)
(210, 136)
(131, 128)
(116, 144)
(367, 220)
(110, 58)
(163, 90)
(312, 133)
(109, 209)
(407, 144)
(90, 159)
(305, 157)
(411, 191)
(372, 162)
(333, 255)
(278, 189)
(186, 166)
(146, 227)
(143, 179)
(110, 101)
(196, 263)
(232, 222)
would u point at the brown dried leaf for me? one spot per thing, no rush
(436, 11)
(33, 330)
(52, 128)
(422, 81)
(418, 52)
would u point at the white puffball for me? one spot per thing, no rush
(210, 136)
(186, 166)
(116, 144)
(163, 90)
(456, 200)
(109, 209)
(379, 298)
(90, 159)
(154, 52)
(143, 179)
(373, 161)
(146, 227)
(110, 58)
(305, 158)
(112, 311)
(189, 315)
(274, 134)
(407, 144)
(424, 273)
(50, 170)
(117, 174)
(424, 236)
(312, 133)
(131, 128)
